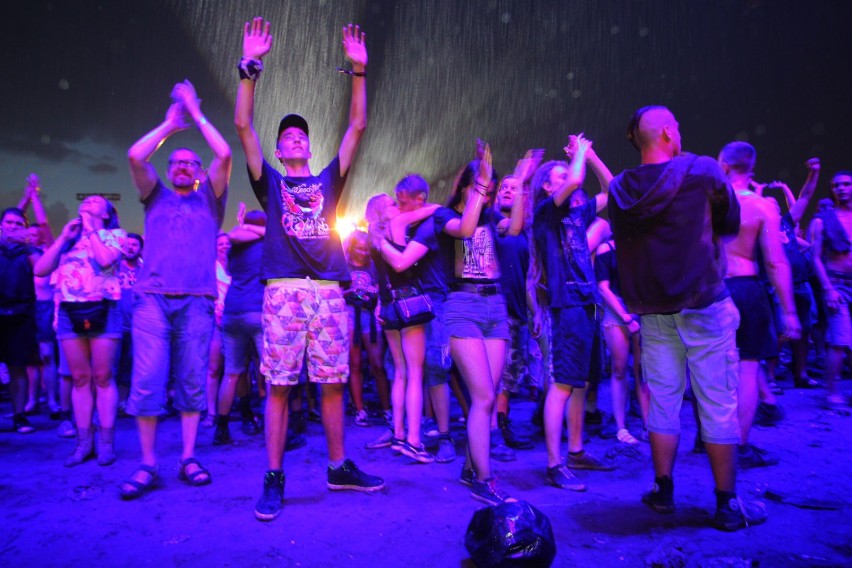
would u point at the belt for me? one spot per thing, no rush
(404, 292)
(481, 289)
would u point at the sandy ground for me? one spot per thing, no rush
(54, 516)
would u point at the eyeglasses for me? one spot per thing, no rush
(185, 163)
(841, 184)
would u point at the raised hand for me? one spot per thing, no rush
(528, 164)
(33, 183)
(177, 117)
(257, 40)
(184, 93)
(813, 165)
(241, 214)
(480, 148)
(485, 168)
(355, 45)
(71, 229)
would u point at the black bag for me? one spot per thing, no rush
(87, 317)
(510, 534)
(413, 310)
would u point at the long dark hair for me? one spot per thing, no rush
(466, 178)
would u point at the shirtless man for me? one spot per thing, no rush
(760, 225)
(833, 266)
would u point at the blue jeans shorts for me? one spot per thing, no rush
(469, 315)
(242, 336)
(64, 329)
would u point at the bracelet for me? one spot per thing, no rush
(250, 68)
(629, 321)
(351, 73)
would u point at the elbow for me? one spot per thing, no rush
(135, 157)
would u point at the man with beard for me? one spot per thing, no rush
(173, 312)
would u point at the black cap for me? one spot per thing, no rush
(293, 120)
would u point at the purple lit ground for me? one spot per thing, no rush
(53, 516)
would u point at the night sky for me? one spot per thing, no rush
(83, 80)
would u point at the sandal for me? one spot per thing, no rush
(197, 478)
(140, 488)
(625, 437)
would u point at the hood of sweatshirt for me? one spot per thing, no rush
(624, 189)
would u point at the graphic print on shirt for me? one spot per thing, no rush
(303, 206)
(480, 259)
(575, 247)
(361, 281)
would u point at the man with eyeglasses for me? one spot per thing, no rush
(173, 313)
(831, 232)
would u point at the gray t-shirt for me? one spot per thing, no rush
(180, 241)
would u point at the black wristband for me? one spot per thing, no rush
(351, 73)
(250, 68)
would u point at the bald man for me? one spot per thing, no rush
(666, 216)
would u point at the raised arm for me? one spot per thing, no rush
(576, 170)
(797, 211)
(524, 170)
(219, 171)
(398, 225)
(257, 42)
(31, 196)
(476, 199)
(47, 262)
(143, 173)
(355, 49)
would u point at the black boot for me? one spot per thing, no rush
(512, 439)
(222, 435)
(269, 504)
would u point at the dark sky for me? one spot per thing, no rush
(84, 79)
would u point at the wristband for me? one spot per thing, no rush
(629, 321)
(351, 73)
(250, 68)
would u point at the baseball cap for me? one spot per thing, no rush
(293, 120)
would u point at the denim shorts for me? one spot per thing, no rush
(705, 341)
(171, 339)
(469, 315)
(243, 337)
(65, 330)
(436, 367)
(44, 310)
(839, 330)
(576, 345)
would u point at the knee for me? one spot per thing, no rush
(102, 380)
(82, 379)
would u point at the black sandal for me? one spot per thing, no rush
(193, 478)
(140, 488)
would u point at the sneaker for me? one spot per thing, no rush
(66, 429)
(383, 441)
(348, 476)
(738, 514)
(561, 477)
(768, 414)
(396, 444)
(750, 456)
(487, 492)
(585, 460)
(269, 505)
(222, 434)
(361, 418)
(295, 441)
(466, 477)
(806, 383)
(609, 431)
(446, 449)
(417, 453)
(22, 425)
(500, 451)
(209, 421)
(661, 496)
(251, 425)
(625, 437)
(429, 427)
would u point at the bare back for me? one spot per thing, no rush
(741, 249)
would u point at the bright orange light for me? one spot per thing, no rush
(345, 226)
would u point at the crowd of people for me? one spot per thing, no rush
(695, 276)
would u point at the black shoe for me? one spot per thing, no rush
(295, 441)
(269, 505)
(222, 434)
(594, 418)
(22, 425)
(661, 496)
(297, 422)
(466, 476)
(768, 414)
(348, 476)
(251, 426)
(561, 477)
(737, 514)
(513, 440)
(750, 456)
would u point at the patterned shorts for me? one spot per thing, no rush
(304, 316)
